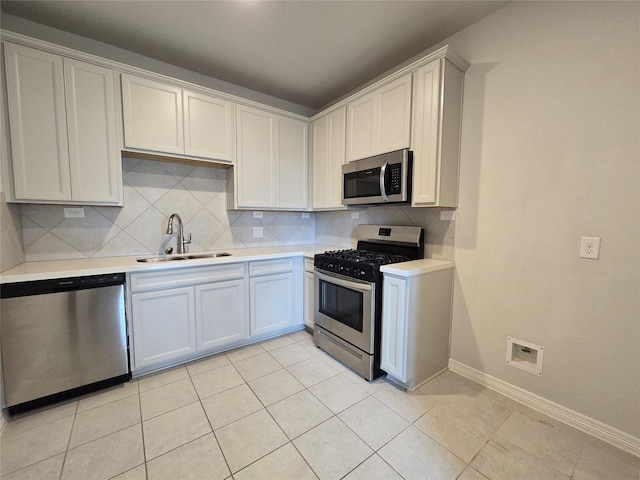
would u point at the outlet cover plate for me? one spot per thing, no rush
(589, 247)
(257, 232)
(74, 212)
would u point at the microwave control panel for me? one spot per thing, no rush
(395, 174)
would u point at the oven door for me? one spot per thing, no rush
(345, 307)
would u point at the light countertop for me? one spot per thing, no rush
(416, 267)
(44, 270)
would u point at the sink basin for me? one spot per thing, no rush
(175, 258)
(160, 259)
(208, 255)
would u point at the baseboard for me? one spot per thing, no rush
(577, 420)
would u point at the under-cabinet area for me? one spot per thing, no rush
(181, 314)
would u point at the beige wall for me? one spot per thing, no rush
(550, 153)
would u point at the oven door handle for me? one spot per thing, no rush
(363, 287)
(383, 187)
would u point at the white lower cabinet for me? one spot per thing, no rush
(182, 314)
(309, 296)
(416, 320)
(179, 314)
(276, 295)
(164, 325)
(221, 313)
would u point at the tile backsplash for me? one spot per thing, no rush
(336, 228)
(153, 190)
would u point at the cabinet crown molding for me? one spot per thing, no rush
(119, 67)
(444, 52)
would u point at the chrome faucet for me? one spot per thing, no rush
(182, 242)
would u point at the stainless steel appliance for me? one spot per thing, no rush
(62, 337)
(348, 293)
(378, 180)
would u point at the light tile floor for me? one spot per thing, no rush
(285, 410)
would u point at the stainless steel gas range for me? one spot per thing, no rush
(348, 293)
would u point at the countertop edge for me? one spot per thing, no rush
(416, 267)
(50, 269)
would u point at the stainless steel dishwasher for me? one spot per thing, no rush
(61, 337)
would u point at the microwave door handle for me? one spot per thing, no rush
(383, 187)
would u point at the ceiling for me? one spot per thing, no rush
(307, 52)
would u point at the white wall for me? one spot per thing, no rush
(550, 153)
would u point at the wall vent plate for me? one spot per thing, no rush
(525, 356)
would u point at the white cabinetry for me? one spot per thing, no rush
(167, 119)
(163, 325)
(221, 313)
(64, 129)
(179, 314)
(437, 109)
(329, 148)
(309, 297)
(416, 319)
(271, 171)
(275, 290)
(380, 121)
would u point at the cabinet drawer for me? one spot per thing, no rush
(185, 276)
(269, 267)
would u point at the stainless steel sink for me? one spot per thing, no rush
(208, 255)
(176, 258)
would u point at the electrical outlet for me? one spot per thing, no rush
(355, 215)
(257, 215)
(589, 247)
(257, 232)
(76, 212)
(306, 215)
(448, 215)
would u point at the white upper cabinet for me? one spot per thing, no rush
(64, 129)
(166, 119)
(380, 121)
(437, 117)
(329, 148)
(271, 170)
(209, 129)
(152, 115)
(94, 145)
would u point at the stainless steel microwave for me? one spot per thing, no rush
(375, 180)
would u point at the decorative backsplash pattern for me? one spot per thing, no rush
(336, 228)
(154, 190)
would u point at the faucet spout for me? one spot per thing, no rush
(181, 241)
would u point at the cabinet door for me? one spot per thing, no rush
(152, 115)
(394, 117)
(209, 127)
(272, 303)
(361, 127)
(319, 160)
(308, 299)
(425, 133)
(329, 136)
(394, 328)
(221, 313)
(94, 150)
(163, 325)
(380, 121)
(292, 164)
(35, 91)
(255, 165)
